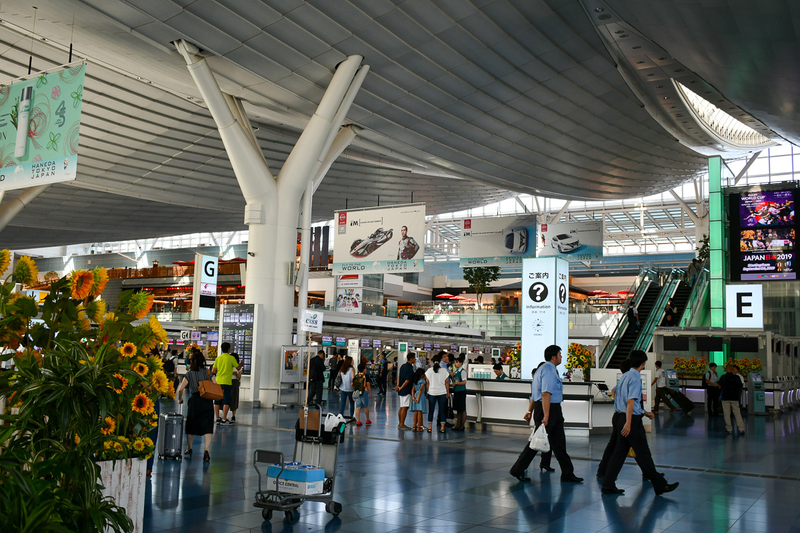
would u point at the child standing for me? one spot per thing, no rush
(361, 384)
(419, 404)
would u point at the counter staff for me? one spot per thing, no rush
(528, 454)
(629, 430)
(553, 419)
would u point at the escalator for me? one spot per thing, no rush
(681, 298)
(629, 338)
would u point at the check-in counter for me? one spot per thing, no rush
(501, 405)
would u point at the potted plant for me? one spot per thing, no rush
(579, 356)
(83, 391)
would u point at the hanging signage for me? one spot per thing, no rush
(327, 340)
(545, 309)
(453, 348)
(350, 280)
(204, 293)
(365, 343)
(744, 306)
(376, 343)
(352, 350)
(497, 241)
(380, 240)
(572, 241)
(196, 335)
(349, 300)
(341, 342)
(311, 321)
(40, 119)
(427, 346)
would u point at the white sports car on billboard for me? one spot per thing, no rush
(565, 243)
(516, 240)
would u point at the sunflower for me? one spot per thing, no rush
(108, 318)
(77, 439)
(109, 425)
(157, 362)
(107, 445)
(142, 404)
(159, 381)
(5, 260)
(117, 447)
(148, 442)
(128, 350)
(95, 310)
(26, 271)
(81, 284)
(138, 445)
(99, 281)
(140, 304)
(171, 390)
(123, 384)
(141, 369)
(153, 334)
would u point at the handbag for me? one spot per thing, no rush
(209, 390)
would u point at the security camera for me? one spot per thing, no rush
(251, 254)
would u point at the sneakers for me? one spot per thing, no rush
(369, 422)
(359, 424)
(402, 427)
(233, 419)
(219, 421)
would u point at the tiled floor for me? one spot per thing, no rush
(402, 481)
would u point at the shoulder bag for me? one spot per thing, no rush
(209, 390)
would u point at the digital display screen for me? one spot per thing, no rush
(341, 342)
(755, 378)
(672, 374)
(327, 340)
(763, 235)
(212, 336)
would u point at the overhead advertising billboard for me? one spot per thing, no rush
(545, 309)
(380, 240)
(40, 120)
(350, 280)
(572, 241)
(497, 241)
(349, 300)
(762, 235)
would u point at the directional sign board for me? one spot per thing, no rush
(545, 307)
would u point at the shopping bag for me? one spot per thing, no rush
(540, 442)
(209, 390)
(332, 421)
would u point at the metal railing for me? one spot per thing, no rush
(659, 308)
(638, 288)
(697, 298)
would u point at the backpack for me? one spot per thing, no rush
(359, 383)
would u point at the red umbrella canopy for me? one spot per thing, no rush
(623, 292)
(181, 263)
(598, 291)
(459, 297)
(444, 295)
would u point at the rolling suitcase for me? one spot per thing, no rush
(170, 436)
(680, 400)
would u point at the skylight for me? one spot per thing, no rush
(720, 124)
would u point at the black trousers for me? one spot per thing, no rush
(315, 392)
(558, 441)
(714, 404)
(527, 455)
(636, 439)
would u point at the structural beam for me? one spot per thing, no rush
(11, 208)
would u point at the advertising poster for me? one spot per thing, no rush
(572, 241)
(350, 280)
(497, 241)
(764, 233)
(349, 300)
(40, 120)
(545, 310)
(380, 240)
(294, 368)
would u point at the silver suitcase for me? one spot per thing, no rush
(170, 436)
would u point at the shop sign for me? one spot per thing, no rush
(311, 321)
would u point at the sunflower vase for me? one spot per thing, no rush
(81, 396)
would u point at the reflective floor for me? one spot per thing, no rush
(402, 481)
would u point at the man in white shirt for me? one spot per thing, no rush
(660, 382)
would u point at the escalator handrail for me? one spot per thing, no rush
(696, 297)
(659, 308)
(639, 288)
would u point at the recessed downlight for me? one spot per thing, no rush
(604, 16)
(599, 9)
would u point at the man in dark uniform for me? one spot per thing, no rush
(316, 378)
(553, 417)
(629, 430)
(535, 408)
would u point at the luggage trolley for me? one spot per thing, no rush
(312, 447)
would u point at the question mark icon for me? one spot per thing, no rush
(538, 292)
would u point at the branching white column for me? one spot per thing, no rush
(11, 208)
(272, 205)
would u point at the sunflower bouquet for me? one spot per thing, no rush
(746, 365)
(579, 356)
(83, 389)
(689, 368)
